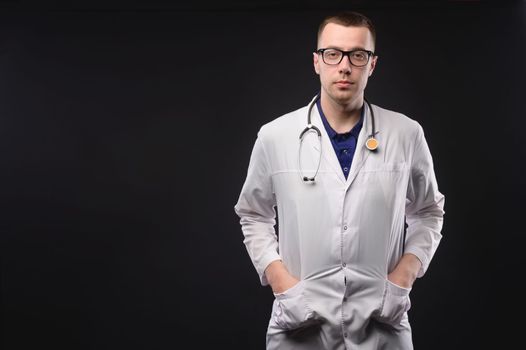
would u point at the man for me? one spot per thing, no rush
(345, 262)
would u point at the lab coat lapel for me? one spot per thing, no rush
(327, 149)
(361, 153)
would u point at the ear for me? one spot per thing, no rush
(373, 65)
(316, 62)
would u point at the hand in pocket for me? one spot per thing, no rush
(395, 303)
(291, 310)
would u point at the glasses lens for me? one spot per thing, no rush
(359, 58)
(331, 56)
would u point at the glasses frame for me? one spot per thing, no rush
(345, 53)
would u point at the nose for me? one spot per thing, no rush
(345, 65)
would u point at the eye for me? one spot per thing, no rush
(360, 55)
(332, 54)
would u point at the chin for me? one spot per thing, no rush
(343, 96)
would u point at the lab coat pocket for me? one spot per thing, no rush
(395, 303)
(291, 309)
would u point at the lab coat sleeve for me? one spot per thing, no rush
(424, 205)
(255, 208)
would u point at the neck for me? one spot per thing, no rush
(342, 117)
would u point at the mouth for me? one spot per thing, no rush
(343, 83)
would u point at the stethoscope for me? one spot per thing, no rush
(371, 144)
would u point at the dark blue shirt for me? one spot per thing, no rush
(344, 144)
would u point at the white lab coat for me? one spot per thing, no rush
(340, 237)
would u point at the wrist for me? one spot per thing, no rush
(273, 271)
(401, 279)
(279, 277)
(406, 271)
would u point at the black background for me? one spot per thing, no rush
(125, 134)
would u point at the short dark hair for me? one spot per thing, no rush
(349, 19)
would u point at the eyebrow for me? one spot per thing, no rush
(352, 49)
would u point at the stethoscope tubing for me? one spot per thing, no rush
(371, 143)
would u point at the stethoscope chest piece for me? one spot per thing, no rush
(371, 143)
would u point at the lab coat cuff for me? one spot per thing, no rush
(264, 263)
(422, 256)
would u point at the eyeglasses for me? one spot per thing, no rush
(358, 58)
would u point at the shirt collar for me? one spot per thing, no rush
(355, 131)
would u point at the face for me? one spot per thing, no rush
(344, 83)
